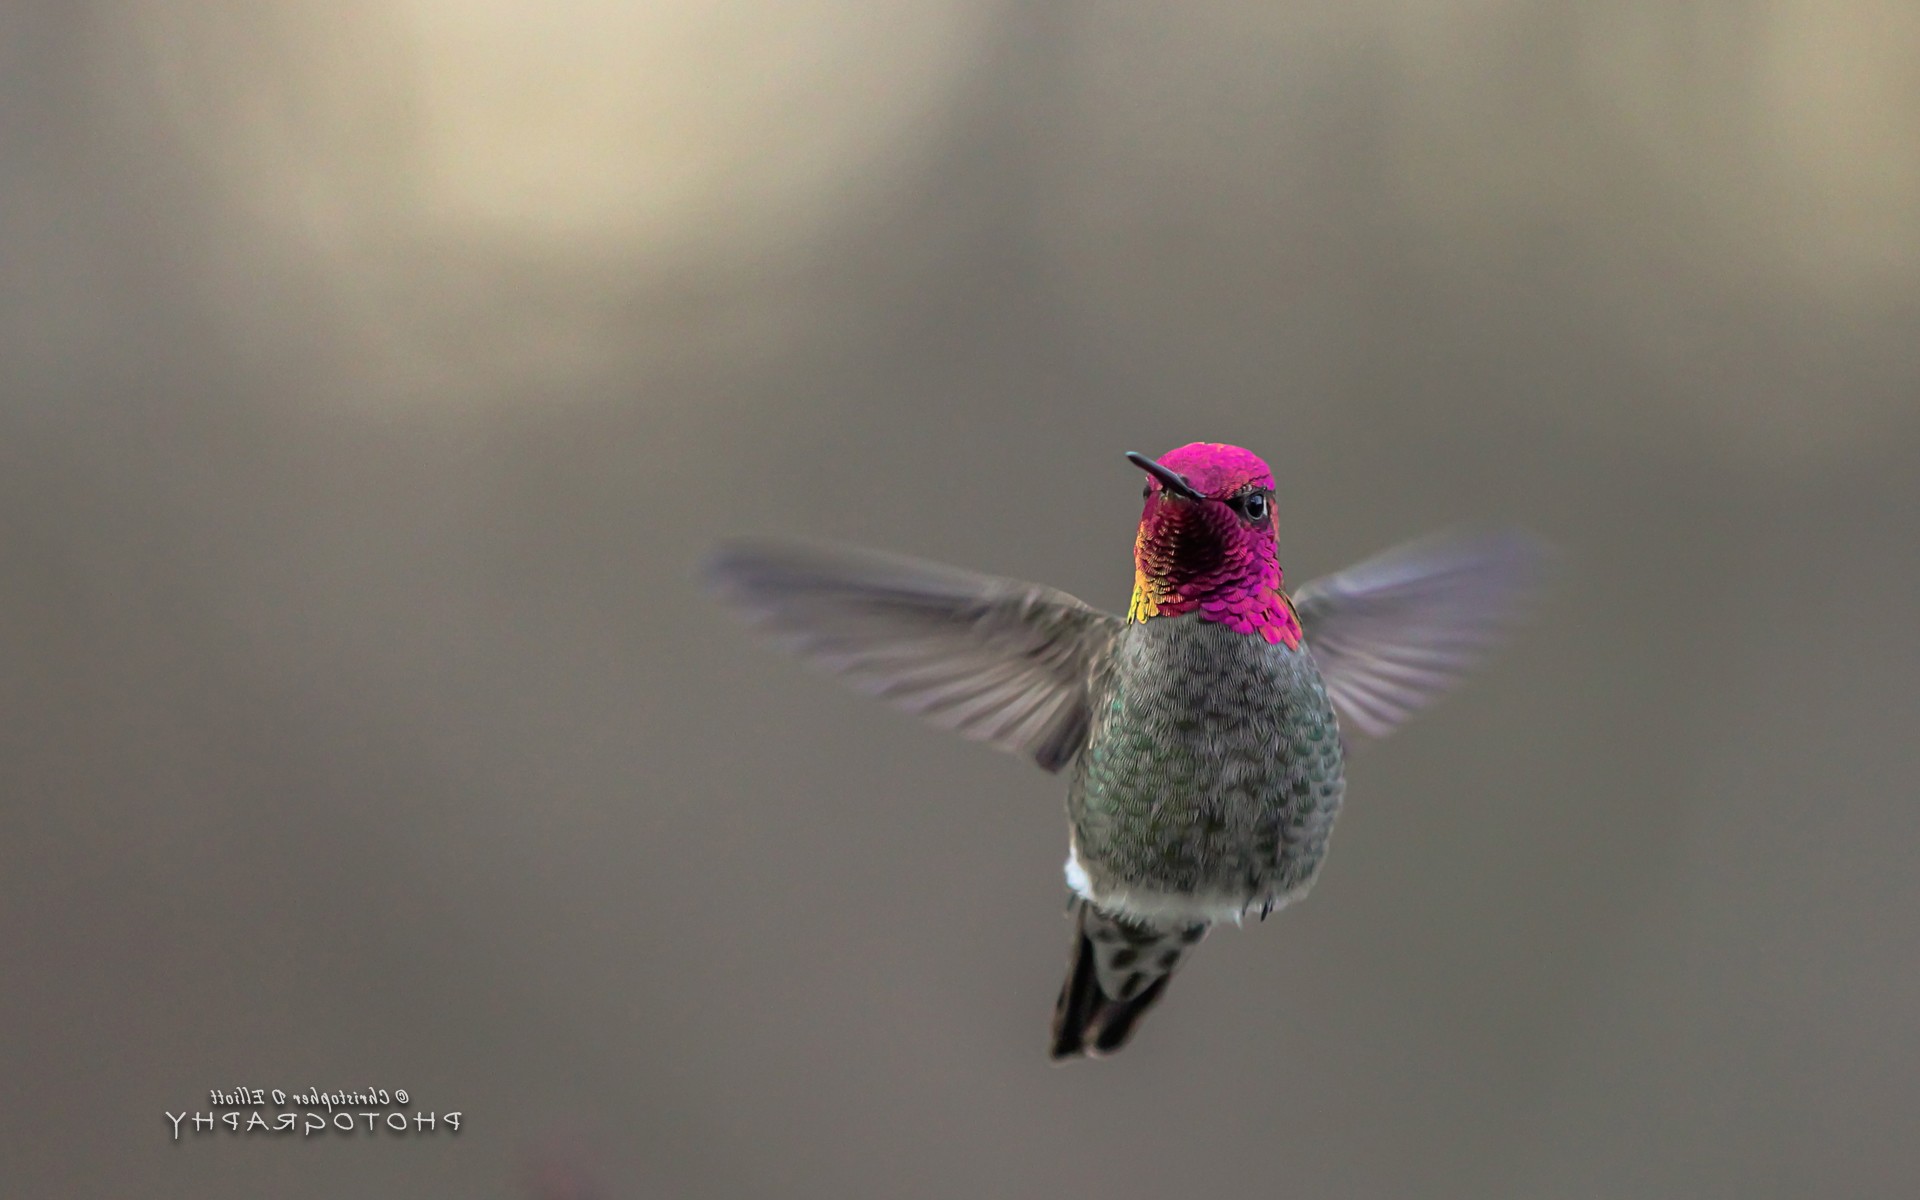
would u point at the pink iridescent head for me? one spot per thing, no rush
(1208, 542)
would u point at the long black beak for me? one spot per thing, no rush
(1169, 478)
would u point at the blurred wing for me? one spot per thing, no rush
(1391, 633)
(995, 660)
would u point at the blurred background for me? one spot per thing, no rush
(376, 375)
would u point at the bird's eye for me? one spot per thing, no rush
(1146, 489)
(1253, 506)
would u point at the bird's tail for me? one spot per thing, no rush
(1118, 969)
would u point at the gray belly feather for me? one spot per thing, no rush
(1211, 777)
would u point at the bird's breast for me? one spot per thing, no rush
(1213, 770)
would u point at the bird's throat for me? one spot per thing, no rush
(1246, 596)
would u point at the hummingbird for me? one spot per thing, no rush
(1203, 735)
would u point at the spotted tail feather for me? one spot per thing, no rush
(1118, 970)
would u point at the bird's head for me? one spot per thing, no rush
(1208, 542)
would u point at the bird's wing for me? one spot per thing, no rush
(1393, 632)
(995, 660)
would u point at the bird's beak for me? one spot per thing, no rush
(1169, 478)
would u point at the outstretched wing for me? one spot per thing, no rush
(995, 660)
(1393, 632)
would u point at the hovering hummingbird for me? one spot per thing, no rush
(1202, 733)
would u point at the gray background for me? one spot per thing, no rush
(376, 375)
